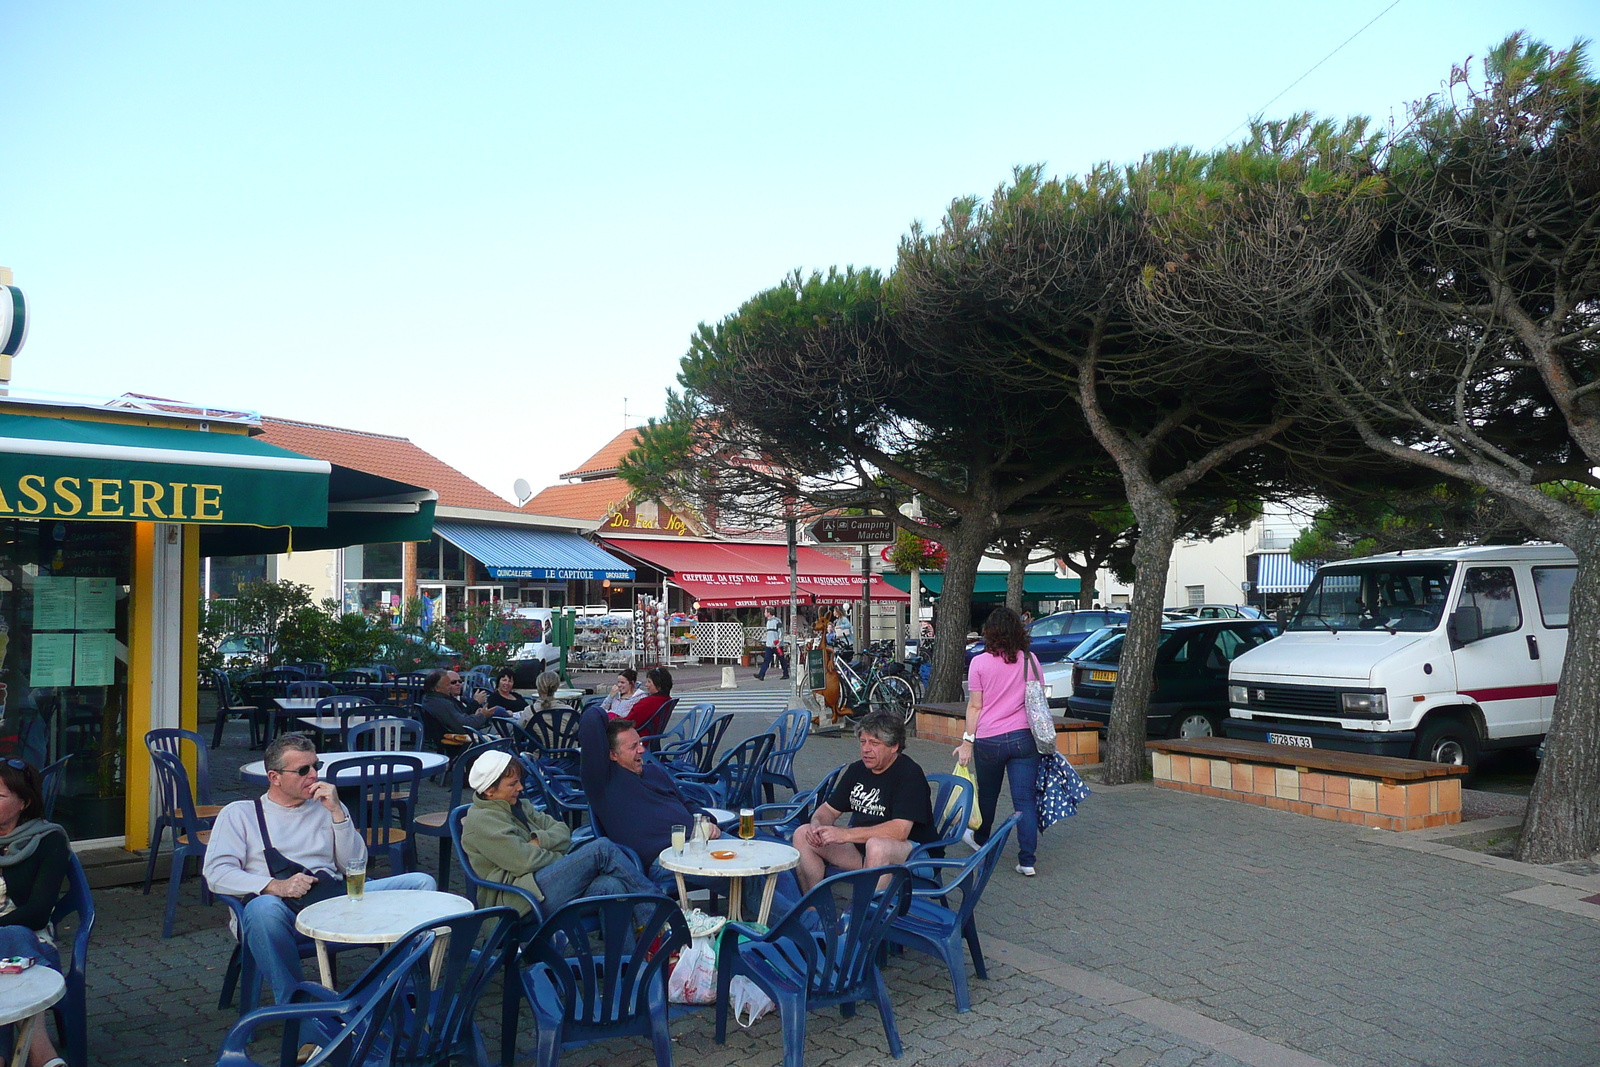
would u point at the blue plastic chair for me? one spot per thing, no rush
(436, 823)
(952, 809)
(311, 690)
(244, 975)
(934, 926)
(560, 795)
(734, 781)
(343, 705)
(363, 1021)
(385, 735)
(72, 1011)
(190, 832)
(435, 1013)
(617, 991)
(816, 958)
(385, 806)
(780, 821)
(789, 732)
(688, 728)
(169, 817)
(231, 706)
(52, 779)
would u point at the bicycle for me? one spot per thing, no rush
(885, 686)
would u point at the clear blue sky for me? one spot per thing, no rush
(482, 225)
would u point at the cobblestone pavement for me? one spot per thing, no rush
(1163, 929)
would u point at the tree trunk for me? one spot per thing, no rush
(1563, 821)
(1152, 555)
(964, 547)
(1016, 573)
(1086, 579)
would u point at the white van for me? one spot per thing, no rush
(1436, 655)
(538, 652)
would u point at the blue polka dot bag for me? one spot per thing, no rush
(1059, 789)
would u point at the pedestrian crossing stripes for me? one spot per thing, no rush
(737, 701)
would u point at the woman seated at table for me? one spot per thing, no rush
(503, 698)
(508, 840)
(545, 701)
(33, 865)
(658, 690)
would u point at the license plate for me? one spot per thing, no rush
(1103, 676)
(1292, 740)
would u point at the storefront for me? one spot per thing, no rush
(746, 574)
(105, 510)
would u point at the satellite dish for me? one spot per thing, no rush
(523, 490)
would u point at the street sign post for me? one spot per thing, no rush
(853, 530)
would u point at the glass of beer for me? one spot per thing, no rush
(747, 823)
(355, 879)
(677, 839)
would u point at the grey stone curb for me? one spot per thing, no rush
(1181, 1022)
(1428, 841)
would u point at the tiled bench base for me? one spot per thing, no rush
(1362, 801)
(1076, 739)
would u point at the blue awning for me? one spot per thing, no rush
(521, 552)
(1277, 573)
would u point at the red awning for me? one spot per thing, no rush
(738, 574)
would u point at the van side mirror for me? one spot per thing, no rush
(1466, 625)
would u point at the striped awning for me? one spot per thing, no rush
(521, 552)
(1277, 573)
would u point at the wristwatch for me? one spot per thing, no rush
(969, 738)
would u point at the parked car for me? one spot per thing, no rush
(1054, 636)
(1190, 698)
(243, 650)
(1435, 654)
(1215, 611)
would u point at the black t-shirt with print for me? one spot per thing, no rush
(901, 792)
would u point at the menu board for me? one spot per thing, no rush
(54, 602)
(96, 604)
(52, 660)
(92, 659)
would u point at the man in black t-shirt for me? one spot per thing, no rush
(886, 796)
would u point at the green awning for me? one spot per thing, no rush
(55, 468)
(991, 586)
(363, 509)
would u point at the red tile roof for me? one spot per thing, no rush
(386, 456)
(605, 461)
(594, 499)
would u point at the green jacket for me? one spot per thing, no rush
(499, 850)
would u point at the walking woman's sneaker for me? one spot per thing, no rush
(970, 841)
(1026, 872)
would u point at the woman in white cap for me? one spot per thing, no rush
(507, 839)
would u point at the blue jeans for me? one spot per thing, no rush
(269, 934)
(1015, 756)
(769, 654)
(600, 868)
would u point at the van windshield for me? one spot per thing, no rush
(1408, 597)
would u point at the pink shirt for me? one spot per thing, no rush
(1003, 686)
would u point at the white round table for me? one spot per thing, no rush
(432, 763)
(22, 997)
(751, 859)
(380, 917)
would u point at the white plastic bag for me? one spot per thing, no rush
(694, 976)
(748, 1000)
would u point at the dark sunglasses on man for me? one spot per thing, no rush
(302, 771)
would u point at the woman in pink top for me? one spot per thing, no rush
(997, 733)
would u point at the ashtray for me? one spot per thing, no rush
(724, 854)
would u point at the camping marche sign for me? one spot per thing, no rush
(853, 529)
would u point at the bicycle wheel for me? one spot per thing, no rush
(893, 694)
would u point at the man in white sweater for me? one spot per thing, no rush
(307, 825)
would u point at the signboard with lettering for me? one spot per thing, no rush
(647, 516)
(853, 529)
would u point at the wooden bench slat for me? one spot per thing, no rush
(1359, 764)
(957, 709)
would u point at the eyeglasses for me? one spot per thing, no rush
(455, 681)
(301, 771)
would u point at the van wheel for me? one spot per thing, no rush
(1193, 724)
(1448, 741)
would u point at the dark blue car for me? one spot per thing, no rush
(1055, 636)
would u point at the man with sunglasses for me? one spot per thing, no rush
(305, 825)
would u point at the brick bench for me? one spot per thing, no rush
(1380, 791)
(1076, 739)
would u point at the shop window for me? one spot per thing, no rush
(229, 573)
(372, 562)
(63, 658)
(452, 562)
